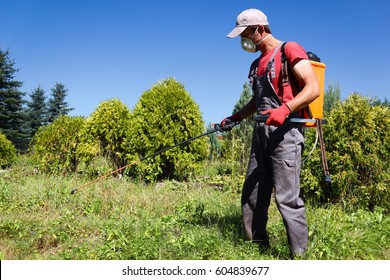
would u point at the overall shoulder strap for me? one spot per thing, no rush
(271, 64)
(306, 112)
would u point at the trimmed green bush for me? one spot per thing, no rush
(165, 115)
(357, 138)
(105, 130)
(7, 152)
(56, 146)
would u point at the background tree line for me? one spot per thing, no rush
(20, 118)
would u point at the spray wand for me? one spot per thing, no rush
(217, 128)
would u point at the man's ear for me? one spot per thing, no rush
(260, 29)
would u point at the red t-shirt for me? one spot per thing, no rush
(294, 53)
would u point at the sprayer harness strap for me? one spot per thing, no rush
(285, 80)
(306, 113)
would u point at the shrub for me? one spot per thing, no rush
(7, 152)
(105, 130)
(56, 146)
(357, 138)
(165, 115)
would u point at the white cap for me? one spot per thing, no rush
(251, 17)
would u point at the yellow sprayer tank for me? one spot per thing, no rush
(316, 107)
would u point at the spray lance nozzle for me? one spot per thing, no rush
(227, 127)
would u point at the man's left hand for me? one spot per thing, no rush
(277, 116)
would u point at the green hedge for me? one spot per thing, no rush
(357, 138)
(106, 128)
(7, 152)
(56, 146)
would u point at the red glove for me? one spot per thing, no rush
(277, 116)
(234, 118)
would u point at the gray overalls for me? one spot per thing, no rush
(275, 162)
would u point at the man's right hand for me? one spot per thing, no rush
(236, 118)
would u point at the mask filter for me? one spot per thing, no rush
(249, 46)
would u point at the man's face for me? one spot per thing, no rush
(249, 32)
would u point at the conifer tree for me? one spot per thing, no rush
(11, 101)
(331, 98)
(165, 115)
(36, 110)
(57, 106)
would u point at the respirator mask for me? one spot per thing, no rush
(248, 45)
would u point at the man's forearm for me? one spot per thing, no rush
(249, 109)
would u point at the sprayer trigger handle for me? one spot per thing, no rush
(261, 117)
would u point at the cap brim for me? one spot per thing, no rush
(236, 31)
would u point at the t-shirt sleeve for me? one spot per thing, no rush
(294, 53)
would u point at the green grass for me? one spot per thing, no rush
(122, 219)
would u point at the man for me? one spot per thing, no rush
(277, 144)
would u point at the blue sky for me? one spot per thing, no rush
(106, 49)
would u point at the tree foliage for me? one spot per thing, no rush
(238, 141)
(36, 110)
(165, 115)
(7, 152)
(214, 145)
(357, 138)
(57, 106)
(331, 98)
(385, 102)
(107, 127)
(11, 101)
(56, 146)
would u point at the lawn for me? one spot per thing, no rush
(122, 219)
